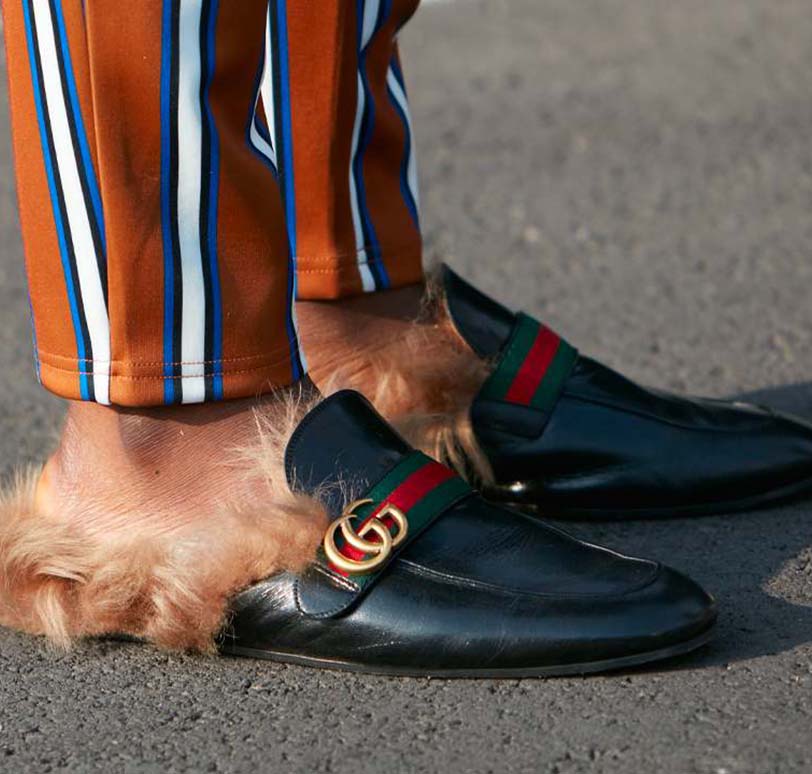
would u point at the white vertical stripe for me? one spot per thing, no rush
(371, 8)
(81, 234)
(265, 94)
(266, 86)
(260, 143)
(367, 280)
(411, 169)
(190, 153)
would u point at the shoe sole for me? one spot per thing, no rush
(561, 670)
(506, 495)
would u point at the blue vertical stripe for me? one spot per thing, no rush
(166, 218)
(216, 310)
(378, 269)
(405, 189)
(370, 237)
(289, 191)
(70, 280)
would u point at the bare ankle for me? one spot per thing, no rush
(160, 465)
(393, 346)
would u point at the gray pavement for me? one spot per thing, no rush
(639, 172)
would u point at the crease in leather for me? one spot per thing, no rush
(420, 569)
(531, 429)
(624, 409)
(344, 606)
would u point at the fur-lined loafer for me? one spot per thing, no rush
(418, 575)
(567, 435)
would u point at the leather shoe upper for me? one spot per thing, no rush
(480, 588)
(584, 441)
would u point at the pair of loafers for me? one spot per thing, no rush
(419, 574)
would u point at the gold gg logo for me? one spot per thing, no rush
(378, 550)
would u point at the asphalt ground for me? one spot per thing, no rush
(638, 173)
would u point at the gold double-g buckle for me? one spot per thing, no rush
(379, 550)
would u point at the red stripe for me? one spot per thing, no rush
(535, 365)
(405, 497)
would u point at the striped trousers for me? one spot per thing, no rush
(186, 169)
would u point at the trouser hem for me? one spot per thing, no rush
(340, 276)
(136, 384)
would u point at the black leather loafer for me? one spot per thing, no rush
(420, 576)
(573, 438)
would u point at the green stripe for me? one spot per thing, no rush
(521, 341)
(392, 480)
(421, 516)
(548, 391)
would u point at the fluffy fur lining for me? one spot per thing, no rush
(172, 588)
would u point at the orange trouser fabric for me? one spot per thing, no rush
(185, 168)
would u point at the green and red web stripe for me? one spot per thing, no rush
(420, 487)
(534, 367)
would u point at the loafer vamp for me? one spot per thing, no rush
(477, 542)
(419, 619)
(613, 445)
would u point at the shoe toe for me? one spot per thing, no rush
(670, 610)
(764, 454)
(668, 616)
